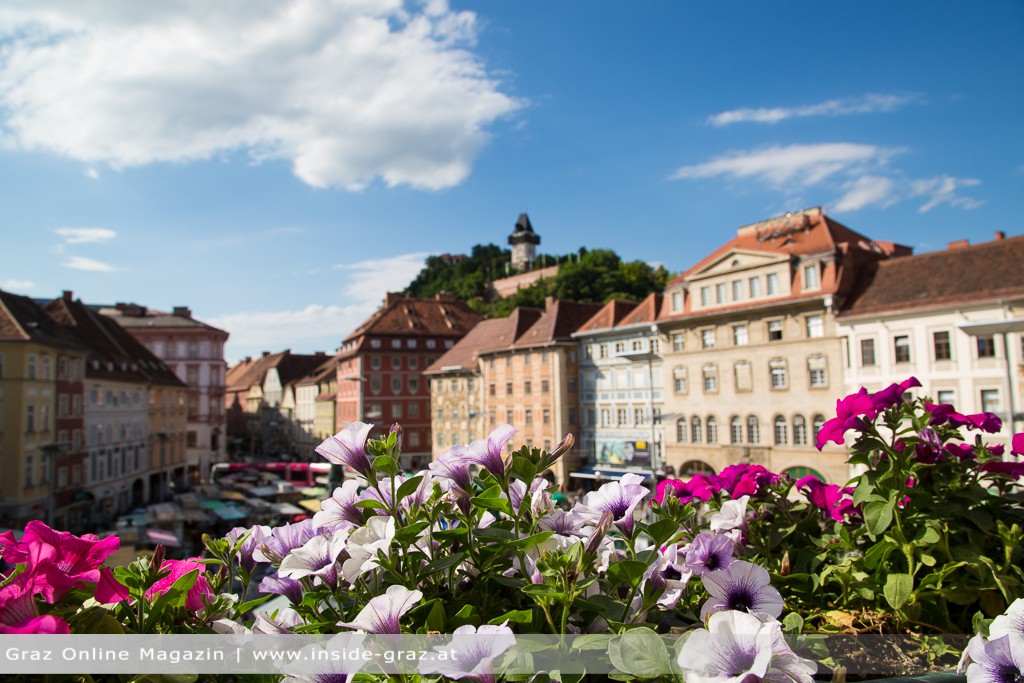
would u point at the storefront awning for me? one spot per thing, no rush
(163, 537)
(609, 473)
(311, 504)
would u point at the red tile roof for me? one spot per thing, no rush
(982, 272)
(609, 316)
(22, 319)
(558, 322)
(407, 316)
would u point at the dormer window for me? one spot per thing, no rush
(677, 301)
(812, 277)
(773, 283)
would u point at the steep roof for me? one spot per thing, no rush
(114, 354)
(485, 335)
(645, 312)
(408, 316)
(290, 366)
(960, 275)
(22, 319)
(559, 320)
(609, 316)
(134, 315)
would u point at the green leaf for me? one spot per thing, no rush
(640, 652)
(662, 530)
(435, 619)
(878, 516)
(516, 616)
(443, 563)
(793, 623)
(863, 490)
(385, 464)
(493, 533)
(530, 541)
(408, 486)
(627, 571)
(247, 606)
(898, 588)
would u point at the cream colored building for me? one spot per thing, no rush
(954, 319)
(752, 361)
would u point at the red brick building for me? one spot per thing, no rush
(381, 364)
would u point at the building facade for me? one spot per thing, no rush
(380, 367)
(752, 359)
(954, 319)
(195, 352)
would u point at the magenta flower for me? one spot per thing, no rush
(1017, 445)
(1010, 469)
(708, 553)
(348, 447)
(741, 586)
(108, 589)
(382, 613)
(18, 609)
(746, 480)
(200, 592)
(65, 560)
(678, 489)
(829, 498)
(620, 498)
(849, 413)
(943, 413)
(892, 395)
(487, 452)
(11, 551)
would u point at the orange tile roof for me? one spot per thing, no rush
(408, 316)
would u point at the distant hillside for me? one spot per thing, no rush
(593, 276)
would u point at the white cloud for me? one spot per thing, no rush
(781, 165)
(373, 278)
(83, 263)
(859, 174)
(942, 190)
(17, 285)
(346, 91)
(866, 191)
(867, 104)
(91, 173)
(86, 235)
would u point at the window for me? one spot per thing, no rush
(527, 387)
(737, 290)
(816, 372)
(710, 378)
(396, 362)
(753, 430)
(707, 338)
(677, 301)
(636, 345)
(545, 386)
(867, 353)
(777, 373)
(396, 384)
(774, 330)
(901, 348)
(812, 276)
(508, 388)
(375, 343)
(449, 343)
(799, 431)
(678, 343)
(744, 379)
(946, 397)
(396, 411)
(941, 345)
(816, 425)
(815, 326)
(414, 407)
(990, 400)
(602, 351)
(735, 429)
(431, 343)
(375, 363)
(30, 419)
(526, 358)
(681, 430)
(375, 385)
(739, 335)
(491, 389)
(712, 429)
(528, 416)
(720, 293)
(772, 280)
(605, 417)
(570, 385)
(620, 347)
(410, 343)
(755, 287)
(547, 416)
(695, 430)
(638, 416)
(986, 347)
(705, 296)
(414, 384)
(679, 380)
(620, 417)
(781, 431)
(31, 366)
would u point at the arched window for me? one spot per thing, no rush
(681, 430)
(712, 429)
(695, 429)
(798, 473)
(736, 429)
(799, 431)
(693, 467)
(816, 425)
(753, 430)
(781, 431)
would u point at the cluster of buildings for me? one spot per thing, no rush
(103, 408)
(739, 360)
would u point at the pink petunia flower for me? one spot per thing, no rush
(18, 609)
(893, 394)
(849, 413)
(200, 592)
(65, 560)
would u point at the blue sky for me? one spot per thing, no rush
(278, 165)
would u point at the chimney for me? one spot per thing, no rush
(1000, 235)
(67, 295)
(182, 312)
(266, 353)
(319, 353)
(549, 303)
(958, 244)
(391, 297)
(248, 359)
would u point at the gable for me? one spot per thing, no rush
(736, 260)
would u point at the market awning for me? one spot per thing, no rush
(609, 473)
(311, 504)
(264, 491)
(229, 513)
(163, 537)
(287, 509)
